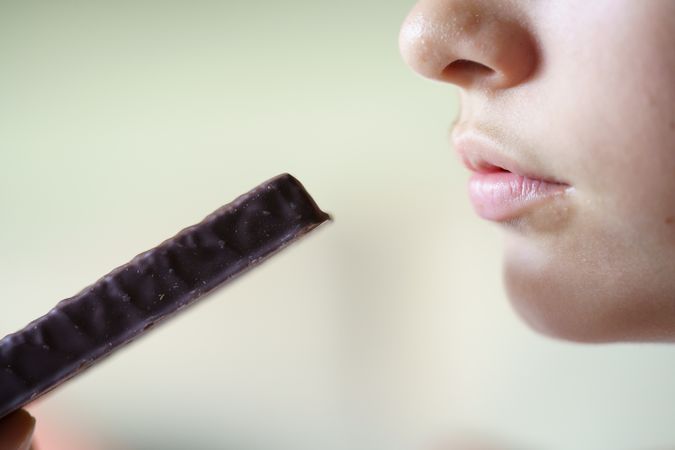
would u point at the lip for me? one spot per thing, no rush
(500, 188)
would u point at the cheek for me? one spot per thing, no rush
(595, 283)
(601, 114)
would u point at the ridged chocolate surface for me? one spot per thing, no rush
(155, 284)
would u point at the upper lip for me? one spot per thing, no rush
(481, 154)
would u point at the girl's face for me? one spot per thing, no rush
(580, 93)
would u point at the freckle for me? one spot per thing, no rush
(670, 220)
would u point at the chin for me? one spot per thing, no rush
(578, 300)
(556, 314)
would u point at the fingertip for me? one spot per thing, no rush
(16, 431)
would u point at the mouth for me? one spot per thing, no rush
(501, 189)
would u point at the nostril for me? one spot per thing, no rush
(462, 70)
(465, 65)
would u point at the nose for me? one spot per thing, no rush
(470, 43)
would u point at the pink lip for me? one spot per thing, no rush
(501, 196)
(499, 188)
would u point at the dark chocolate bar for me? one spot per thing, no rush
(156, 284)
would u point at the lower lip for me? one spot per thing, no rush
(502, 196)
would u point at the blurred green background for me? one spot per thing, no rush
(122, 122)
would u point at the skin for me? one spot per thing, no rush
(582, 92)
(16, 431)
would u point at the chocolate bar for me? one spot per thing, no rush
(156, 284)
